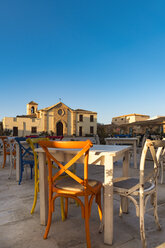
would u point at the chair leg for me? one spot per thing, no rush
(120, 210)
(66, 207)
(101, 227)
(161, 180)
(62, 208)
(36, 188)
(31, 174)
(48, 223)
(154, 203)
(4, 159)
(21, 172)
(87, 223)
(98, 201)
(142, 228)
(11, 167)
(77, 203)
(14, 163)
(35, 198)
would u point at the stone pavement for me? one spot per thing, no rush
(20, 229)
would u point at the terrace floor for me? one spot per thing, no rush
(20, 229)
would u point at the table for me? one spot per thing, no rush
(101, 155)
(125, 141)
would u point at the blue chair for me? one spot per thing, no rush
(26, 156)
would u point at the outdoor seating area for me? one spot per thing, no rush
(82, 124)
(115, 184)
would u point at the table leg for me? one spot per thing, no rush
(108, 200)
(124, 200)
(43, 179)
(134, 155)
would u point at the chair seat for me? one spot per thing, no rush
(131, 182)
(70, 184)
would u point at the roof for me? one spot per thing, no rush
(85, 111)
(59, 104)
(32, 102)
(26, 116)
(131, 115)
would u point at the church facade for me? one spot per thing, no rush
(58, 119)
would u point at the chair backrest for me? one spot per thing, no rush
(81, 148)
(51, 137)
(6, 145)
(156, 148)
(32, 136)
(33, 142)
(26, 153)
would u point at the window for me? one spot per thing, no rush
(60, 111)
(14, 119)
(32, 110)
(33, 119)
(80, 131)
(91, 130)
(34, 130)
(80, 117)
(91, 118)
(15, 131)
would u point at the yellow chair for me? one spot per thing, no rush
(72, 186)
(32, 142)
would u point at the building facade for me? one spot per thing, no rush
(58, 119)
(154, 125)
(124, 119)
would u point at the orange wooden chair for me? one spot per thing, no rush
(6, 150)
(72, 186)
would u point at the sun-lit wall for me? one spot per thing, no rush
(129, 118)
(26, 126)
(52, 119)
(86, 124)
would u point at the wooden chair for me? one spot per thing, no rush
(72, 186)
(161, 163)
(12, 144)
(7, 150)
(25, 155)
(139, 190)
(33, 143)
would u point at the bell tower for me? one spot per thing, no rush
(32, 108)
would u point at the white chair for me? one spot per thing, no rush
(139, 190)
(161, 163)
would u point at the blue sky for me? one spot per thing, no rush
(100, 55)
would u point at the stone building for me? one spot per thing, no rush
(124, 119)
(58, 119)
(155, 125)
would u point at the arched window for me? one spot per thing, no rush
(32, 110)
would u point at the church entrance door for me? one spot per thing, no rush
(59, 128)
